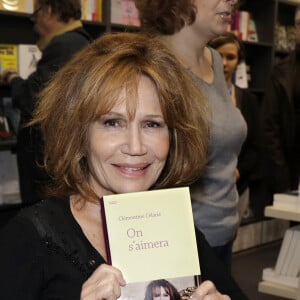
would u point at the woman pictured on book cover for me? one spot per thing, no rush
(122, 116)
(161, 290)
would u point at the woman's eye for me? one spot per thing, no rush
(111, 123)
(153, 124)
(231, 57)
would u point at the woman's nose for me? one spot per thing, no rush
(134, 143)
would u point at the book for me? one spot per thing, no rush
(151, 236)
(130, 15)
(91, 10)
(241, 78)
(294, 265)
(290, 201)
(289, 255)
(28, 57)
(281, 259)
(8, 57)
(270, 275)
(252, 32)
(124, 12)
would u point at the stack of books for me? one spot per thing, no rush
(289, 201)
(287, 268)
(244, 26)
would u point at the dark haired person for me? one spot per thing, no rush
(281, 121)
(161, 290)
(61, 35)
(249, 160)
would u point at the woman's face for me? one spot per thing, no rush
(159, 293)
(214, 16)
(230, 58)
(128, 155)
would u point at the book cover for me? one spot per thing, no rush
(116, 12)
(289, 255)
(8, 57)
(28, 57)
(294, 265)
(130, 15)
(252, 32)
(281, 259)
(151, 236)
(287, 201)
(240, 78)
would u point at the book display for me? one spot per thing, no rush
(283, 279)
(146, 241)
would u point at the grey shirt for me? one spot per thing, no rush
(214, 195)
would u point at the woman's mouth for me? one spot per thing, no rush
(226, 16)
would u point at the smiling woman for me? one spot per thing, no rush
(140, 128)
(121, 116)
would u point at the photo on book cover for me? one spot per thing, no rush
(167, 289)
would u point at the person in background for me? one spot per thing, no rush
(61, 35)
(248, 169)
(161, 290)
(281, 121)
(185, 27)
(130, 119)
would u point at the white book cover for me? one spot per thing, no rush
(287, 201)
(244, 24)
(28, 56)
(252, 32)
(116, 11)
(281, 259)
(288, 257)
(241, 79)
(294, 266)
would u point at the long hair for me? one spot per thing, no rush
(168, 287)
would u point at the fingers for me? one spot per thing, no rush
(7, 75)
(104, 283)
(208, 291)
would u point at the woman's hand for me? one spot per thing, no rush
(207, 291)
(104, 283)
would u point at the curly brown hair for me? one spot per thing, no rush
(167, 16)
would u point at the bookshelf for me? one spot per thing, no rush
(275, 288)
(16, 28)
(262, 55)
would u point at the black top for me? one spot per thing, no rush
(59, 51)
(280, 133)
(45, 255)
(249, 160)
